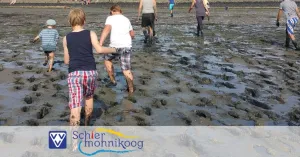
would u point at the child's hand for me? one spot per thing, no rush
(32, 41)
(277, 23)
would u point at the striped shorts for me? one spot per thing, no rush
(82, 84)
(123, 54)
(290, 25)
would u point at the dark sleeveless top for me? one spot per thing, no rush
(199, 7)
(80, 51)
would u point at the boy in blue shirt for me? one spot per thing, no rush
(49, 37)
(171, 6)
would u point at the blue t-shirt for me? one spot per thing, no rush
(171, 1)
(49, 39)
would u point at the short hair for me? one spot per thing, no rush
(76, 17)
(116, 8)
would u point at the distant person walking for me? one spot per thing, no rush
(12, 2)
(290, 8)
(201, 11)
(149, 15)
(171, 6)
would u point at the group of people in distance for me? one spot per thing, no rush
(79, 43)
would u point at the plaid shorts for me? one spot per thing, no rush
(123, 54)
(290, 25)
(82, 84)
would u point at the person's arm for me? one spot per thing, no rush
(140, 9)
(192, 6)
(66, 51)
(98, 48)
(131, 32)
(205, 6)
(298, 13)
(104, 34)
(155, 9)
(35, 39)
(278, 17)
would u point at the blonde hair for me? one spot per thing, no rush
(76, 17)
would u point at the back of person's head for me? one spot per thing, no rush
(76, 17)
(116, 8)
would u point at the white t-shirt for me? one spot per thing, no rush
(120, 28)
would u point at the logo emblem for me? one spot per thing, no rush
(57, 139)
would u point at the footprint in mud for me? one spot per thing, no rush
(28, 99)
(204, 114)
(157, 103)
(259, 104)
(205, 81)
(194, 90)
(18, 87)
(183, 117)
(19, 63)
(252, 92)
(166, 74)
(233, 114)
(32, 122)
(43, 112)
(184, 61)
(164, 92)
(26, 108)
(254, 115)
(141, 121)
(294, 117)
(147, 111)
(19, 81)
(204, 102)
(34, 87)
(29, 67)
(225, 84)
(269, 82)
(31, 79)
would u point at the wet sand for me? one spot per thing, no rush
(238, 74)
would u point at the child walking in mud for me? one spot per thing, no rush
(290, 8)
(49, 37)
(78, 54)
(121, 34)
(171, 6)
(201, 11)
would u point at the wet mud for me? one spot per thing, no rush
(239, 73)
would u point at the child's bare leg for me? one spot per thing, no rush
(89, 104)
(51, 60)
(129, 79)
(110, 70)
(150, 31)
(75, 123)
(46, 59)
(75, 116)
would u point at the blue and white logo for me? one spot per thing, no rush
(57, 139)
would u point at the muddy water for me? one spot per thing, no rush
(237, 74)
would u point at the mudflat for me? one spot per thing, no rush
(239, 73)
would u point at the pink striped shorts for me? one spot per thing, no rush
(82, 84)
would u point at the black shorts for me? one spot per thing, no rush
(47, 52)
(148, 20)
